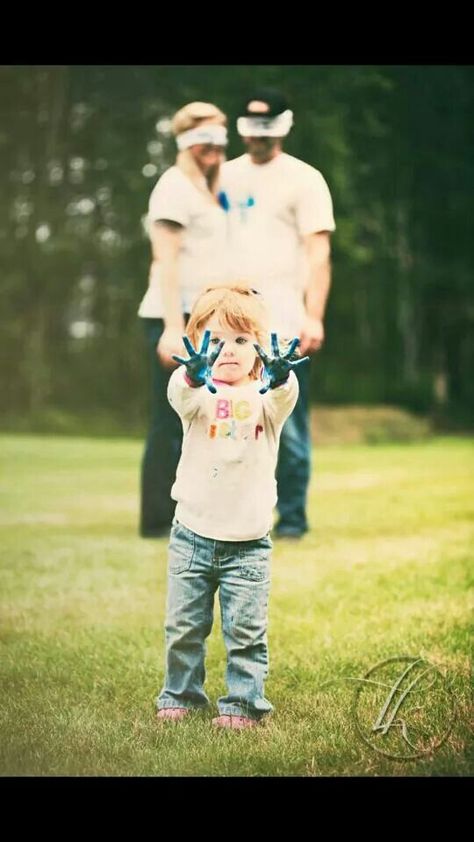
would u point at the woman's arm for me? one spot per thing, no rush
(166, 237)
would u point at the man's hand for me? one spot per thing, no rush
(170, 343)
(199, 363)
(277, 368)
(312, 335)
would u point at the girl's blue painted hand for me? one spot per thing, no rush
(277, 367)
(199, 363)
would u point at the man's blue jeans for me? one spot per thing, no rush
(294, 462)
(197, 567)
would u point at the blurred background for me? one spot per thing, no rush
(81, 148)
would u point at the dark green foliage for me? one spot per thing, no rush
(394, 144)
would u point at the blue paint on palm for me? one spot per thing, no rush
(199, 363)
(276, 368)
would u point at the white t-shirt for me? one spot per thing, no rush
(225, 484)
(271, 207)
(201, 256)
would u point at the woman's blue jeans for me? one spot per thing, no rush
(163, 444)
(197, 568)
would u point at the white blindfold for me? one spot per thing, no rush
(261, 126)
(214, 134)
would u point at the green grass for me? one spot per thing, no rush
(384, 572)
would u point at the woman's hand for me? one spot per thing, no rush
(170, 344)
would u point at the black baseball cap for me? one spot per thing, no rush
(276, 101)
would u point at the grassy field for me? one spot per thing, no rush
(384, 572)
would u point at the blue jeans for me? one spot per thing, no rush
(197, 567)
(294, 462)
(163, 445)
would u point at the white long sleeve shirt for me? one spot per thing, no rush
(225, 485)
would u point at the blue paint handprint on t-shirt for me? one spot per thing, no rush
(223, 200)
(249, 202)
(242, 204)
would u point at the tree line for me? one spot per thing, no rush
(81, 148)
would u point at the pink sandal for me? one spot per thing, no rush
(172, 713)
(232, 721)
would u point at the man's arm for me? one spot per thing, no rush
(318, 250)
(166, 239)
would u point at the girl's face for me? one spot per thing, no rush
(237, 357)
